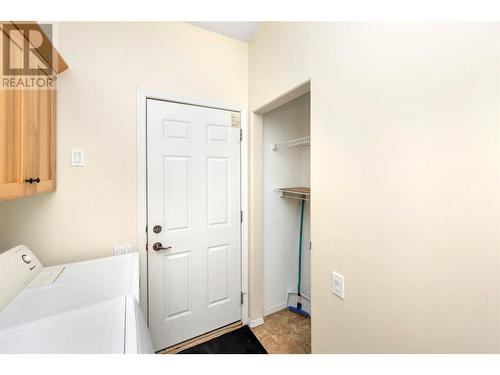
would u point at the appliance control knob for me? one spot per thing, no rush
(26, 259)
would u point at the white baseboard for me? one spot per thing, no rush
(256, 322)
(274, 309)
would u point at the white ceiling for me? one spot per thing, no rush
(238, 30)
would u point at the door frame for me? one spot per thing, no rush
(141, 178)
(256, 235)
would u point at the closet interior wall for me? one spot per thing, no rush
(285, 167)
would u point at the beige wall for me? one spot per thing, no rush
(404, 178)
(94, 208)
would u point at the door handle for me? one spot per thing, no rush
(157, 246)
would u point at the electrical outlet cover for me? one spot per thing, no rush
(338, 284)
(123, 249)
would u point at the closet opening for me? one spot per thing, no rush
(286, 250)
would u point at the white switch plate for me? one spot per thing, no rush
(77, 159)
(338, 284)
(123, 249)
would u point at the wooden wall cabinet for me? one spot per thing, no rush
(27, 141)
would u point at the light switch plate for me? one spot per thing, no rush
(77, 159)
(338, 284)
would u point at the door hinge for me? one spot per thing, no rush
(241, 298)
(241, 216)
(241, 135)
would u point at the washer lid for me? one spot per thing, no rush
(78, 285)
(46, 278)
(95, 329)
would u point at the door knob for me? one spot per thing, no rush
(157, 246)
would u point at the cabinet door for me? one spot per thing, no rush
(12, 168)
(39, 138)
(27, 142)
(47, 171)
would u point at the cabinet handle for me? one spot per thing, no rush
(32, 180)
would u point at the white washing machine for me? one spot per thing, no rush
(83, 307)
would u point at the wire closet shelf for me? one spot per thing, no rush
(298, 142)
(300, 193)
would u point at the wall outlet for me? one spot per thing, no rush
(122, 249)
(338, 284)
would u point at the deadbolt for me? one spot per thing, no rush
(157, 246)
(157, 228)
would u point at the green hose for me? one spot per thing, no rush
(300, 245)
(298, 309)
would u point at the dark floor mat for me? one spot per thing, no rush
(239, 341)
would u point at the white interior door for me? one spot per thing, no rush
(194, 195)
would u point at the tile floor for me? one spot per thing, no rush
(285, 333)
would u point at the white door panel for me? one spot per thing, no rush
(194, 194)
